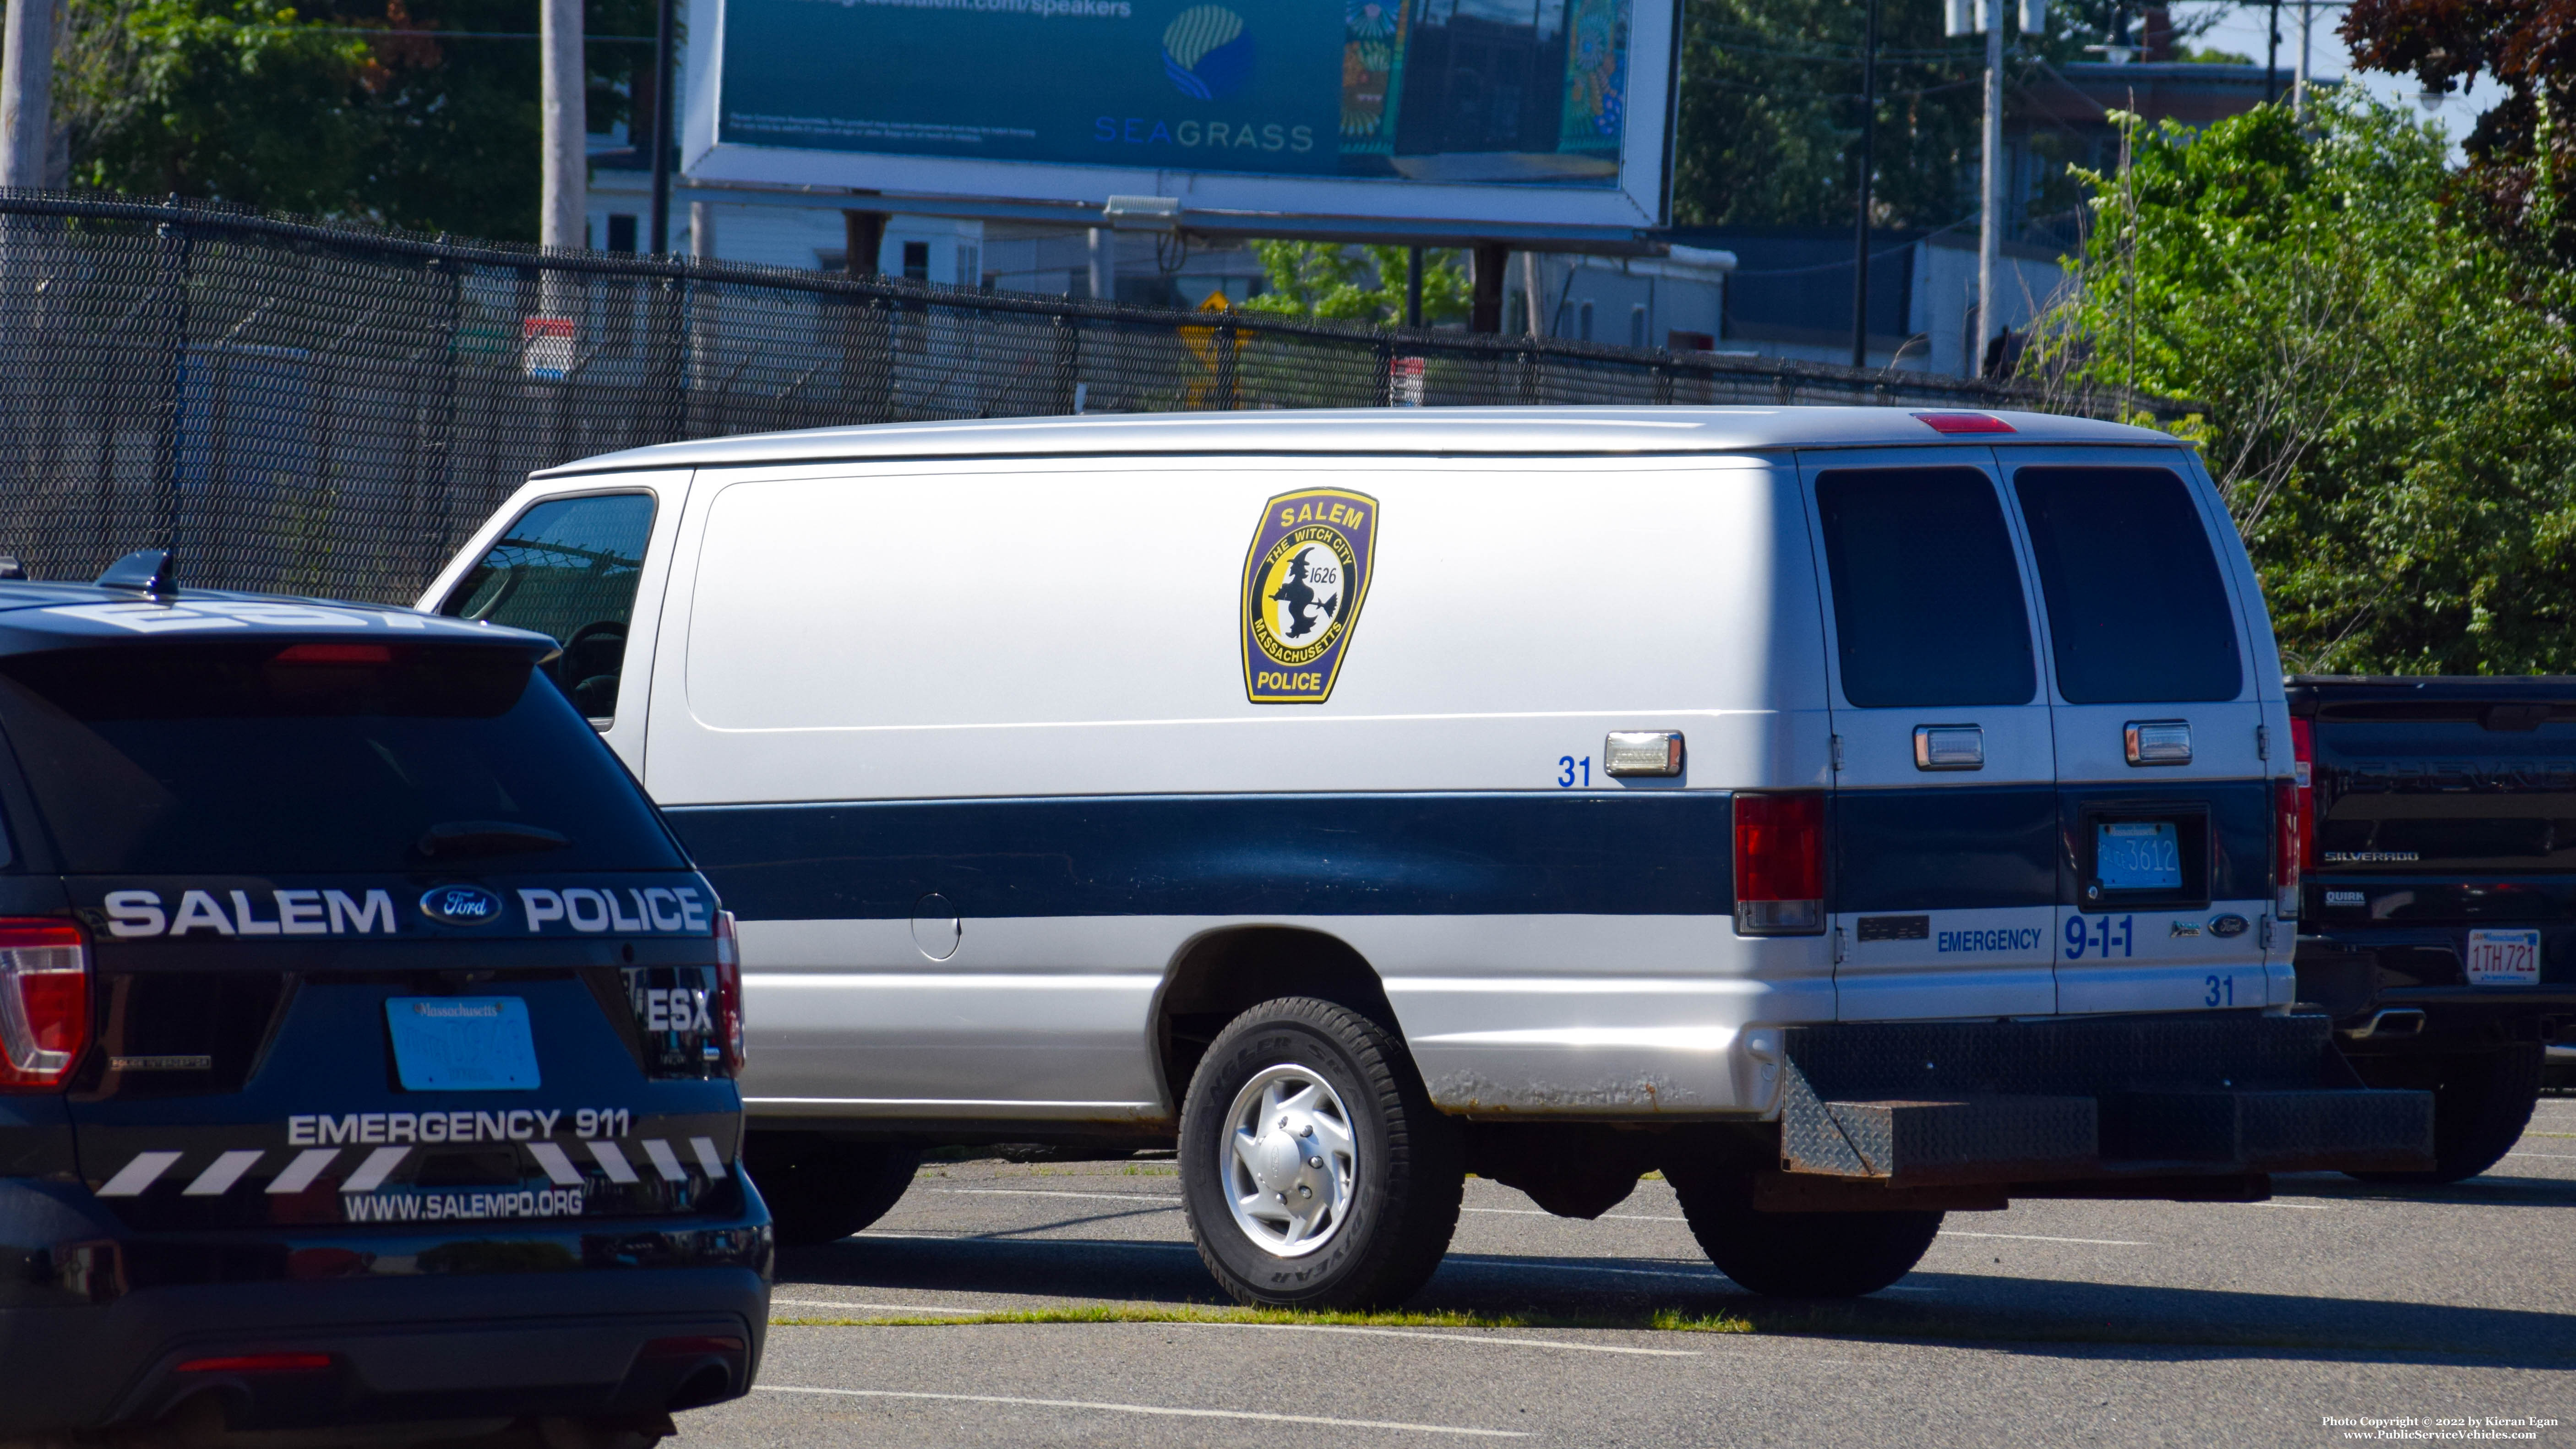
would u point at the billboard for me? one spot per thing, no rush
(1520, 111)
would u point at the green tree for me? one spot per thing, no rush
(417, 113)
(1358, 284)
(2389, 389)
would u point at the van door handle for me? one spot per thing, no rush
(1949, 747)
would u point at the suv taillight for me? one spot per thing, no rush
(44, 1003)
(728, 994)
(1780, 864)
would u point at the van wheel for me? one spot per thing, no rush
(1798, 1255)
(1314, 1170)
(821, 1191)
(2481, 1104)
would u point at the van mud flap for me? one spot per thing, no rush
(2159, 1106)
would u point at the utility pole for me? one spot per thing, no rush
(27, 93)
(564, 212)
(1990, 232)
(2299, 85)
(2272, 58)
(665, 52)
(1860, 223)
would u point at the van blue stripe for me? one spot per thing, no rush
(1946, 847)
(1638, 852)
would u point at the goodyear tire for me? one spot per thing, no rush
(1798, 1255)
(2481, 1104)
(1315, 1172)
(821, 1191)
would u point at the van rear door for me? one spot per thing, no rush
(2164, 800)
(1943, 820)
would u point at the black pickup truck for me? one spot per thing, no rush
(2438, 921)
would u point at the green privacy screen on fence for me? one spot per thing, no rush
(317, 408)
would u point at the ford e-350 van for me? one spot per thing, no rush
(1857, 814)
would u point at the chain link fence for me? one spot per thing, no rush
(318, 408)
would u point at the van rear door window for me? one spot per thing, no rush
(2136, 611)
(1928, 608)
(568, 569)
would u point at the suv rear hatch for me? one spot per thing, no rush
(381, 933)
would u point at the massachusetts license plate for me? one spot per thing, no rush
(2138, 855)
(462, 1043)
(2504, 958)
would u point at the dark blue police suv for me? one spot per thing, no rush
(367, 1042)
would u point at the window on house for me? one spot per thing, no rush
(916, 261)
(621, 233)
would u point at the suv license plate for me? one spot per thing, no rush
(462, 1043)
(2504, 958)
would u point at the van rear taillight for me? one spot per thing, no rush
(44, 1003)
(1780, 864)
(728, 994)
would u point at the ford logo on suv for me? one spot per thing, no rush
(461, 905)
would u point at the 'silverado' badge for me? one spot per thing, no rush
(1303, 584)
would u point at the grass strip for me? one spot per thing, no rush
(1668, 1320)
(1825, 1321)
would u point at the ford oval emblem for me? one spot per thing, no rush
(2230, 924)
(461, 905)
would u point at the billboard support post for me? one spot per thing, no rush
(1486, 312)
(863, 235)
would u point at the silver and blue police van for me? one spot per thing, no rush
(1856, 814)
(367, 1041)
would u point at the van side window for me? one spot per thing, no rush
(1928, 608)
(2136, 611)
(568, 569)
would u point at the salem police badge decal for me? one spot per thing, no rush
(1303, 583)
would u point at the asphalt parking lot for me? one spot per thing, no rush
(2055, 1322)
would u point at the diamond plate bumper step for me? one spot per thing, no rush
(1936, 1104)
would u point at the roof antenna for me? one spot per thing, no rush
(152, 571)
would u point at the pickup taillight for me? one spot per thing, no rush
(44, 1003)
(2294, 816)
(729, 994)
(2303, 754)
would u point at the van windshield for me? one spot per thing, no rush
(275, 758)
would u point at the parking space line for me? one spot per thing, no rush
(2036, 1238)
(1456, 1338)
(2554, 1156)
(1154, 1409)
(1172, 1199)
(1544, 1213)
(877, 1307)
(2302, 1207)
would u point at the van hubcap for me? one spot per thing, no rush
(1291, 1158)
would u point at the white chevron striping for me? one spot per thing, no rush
(307, 1166)
(559, 1168)
(613, 1161)
(142, 1172)
(371, 1174)
(219, 1177)
(665, 1161)
(705, 1147)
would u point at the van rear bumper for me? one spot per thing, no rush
(609, 1319)
(2086, 1104)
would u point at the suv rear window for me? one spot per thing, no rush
(2136, 612)
(276, 758)
(1928, 608)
